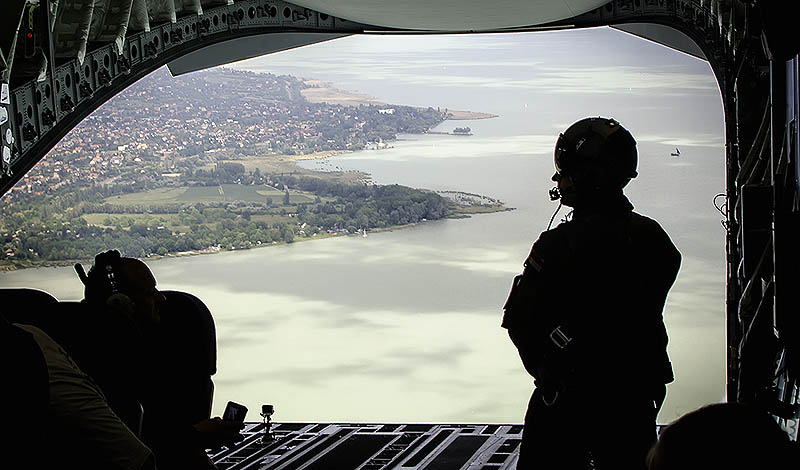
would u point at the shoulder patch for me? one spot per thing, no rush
(534, 261)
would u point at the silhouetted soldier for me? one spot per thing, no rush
(143, 363)
(586, 313)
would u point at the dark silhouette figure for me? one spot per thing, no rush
(81, 428)
(121, 308)
(60, 415)
(181, 363)
(724, 435)
(165, 363)
(586, 313)
(25, 394)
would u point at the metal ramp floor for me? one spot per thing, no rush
(352, 446)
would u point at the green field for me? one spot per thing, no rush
(156, 196)
(272, 218)
(222, 193)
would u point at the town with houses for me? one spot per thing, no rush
(178, 123)
(206, 162)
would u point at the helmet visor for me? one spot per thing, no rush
(561, 154)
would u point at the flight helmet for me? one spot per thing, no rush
(104, 277)
(598, 154)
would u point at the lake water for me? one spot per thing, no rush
(404, 325)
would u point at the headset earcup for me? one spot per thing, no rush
(121, 303)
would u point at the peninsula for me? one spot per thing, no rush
(163, 170)
(319, 91)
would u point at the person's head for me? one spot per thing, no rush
(595, 158)
(114, 279)
(724, 435)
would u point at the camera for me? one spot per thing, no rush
(234, 412)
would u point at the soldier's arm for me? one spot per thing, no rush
(528, 296)
(526, 288)
(667, 260)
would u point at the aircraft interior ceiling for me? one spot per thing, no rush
(453, 15)
(82, 50)
(61, 59)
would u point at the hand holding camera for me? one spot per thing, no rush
(225, 431)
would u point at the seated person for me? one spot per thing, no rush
(724, 435)
(125, 289)
(186, 345)
(76, 424)
(25, 394)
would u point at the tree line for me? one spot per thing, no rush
(55, 230)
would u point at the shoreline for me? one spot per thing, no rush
(457, 115)
(322, 154)
(461, 211)
(207, 251)
(320, 91)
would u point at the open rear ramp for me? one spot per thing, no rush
(375, 446)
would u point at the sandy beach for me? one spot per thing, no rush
(323, 92)
(316, 155)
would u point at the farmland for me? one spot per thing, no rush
(209, 194)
